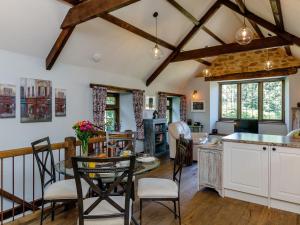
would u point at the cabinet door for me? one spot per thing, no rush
(285, 174)
(210, 168)
(246, 168)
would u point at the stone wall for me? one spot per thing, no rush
(251, 61)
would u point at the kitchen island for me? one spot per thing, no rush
(264, 169)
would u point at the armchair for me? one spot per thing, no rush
(178, 128)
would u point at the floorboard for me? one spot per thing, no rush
(198, 208)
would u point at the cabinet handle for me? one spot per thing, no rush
(264, 148)
(274, 149)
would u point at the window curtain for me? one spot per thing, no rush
(138, 108)
(162, 106)
(99, 105)
(183, 108)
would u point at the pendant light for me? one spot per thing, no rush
(206, 72)
(244, 35)
(268, 63)
(156, 51)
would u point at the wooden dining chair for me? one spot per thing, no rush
(108, 207)
(53, 191)
(161, 190)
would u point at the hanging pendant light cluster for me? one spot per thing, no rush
(268, 63)
(156, 51)
(244, 35)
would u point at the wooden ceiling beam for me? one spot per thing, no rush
(188, 15)
(88, 10)
(189, 36)
(73, 2)
(256, 74)
(262, 22)
(277, 13)
(120, 23)
(213, 35)
(253, 24)
(204, 62)
(256, 44)
(85, 6)
(58, 47)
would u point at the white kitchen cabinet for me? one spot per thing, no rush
(246, 168)
(285, 174)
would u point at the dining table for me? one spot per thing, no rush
(142, 166)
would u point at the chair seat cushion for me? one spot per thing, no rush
(105, 208)
(64, 189)
(157, 188)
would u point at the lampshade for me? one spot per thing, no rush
(206, 73)
(157, 52)
(268, 65)
(244, 35)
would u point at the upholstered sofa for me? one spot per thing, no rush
(180, 127)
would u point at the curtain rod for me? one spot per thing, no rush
(170, 94)
(115, 88)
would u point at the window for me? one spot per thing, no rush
(169, 109)
(272, 100)
(249, 101)
(112, 112)
(258, 100)
(229, 101)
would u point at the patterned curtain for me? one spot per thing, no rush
(99, 105)
(162, 106)
(183, 108)
(138, 108)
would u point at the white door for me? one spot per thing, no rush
(285, 174)
(246, 168)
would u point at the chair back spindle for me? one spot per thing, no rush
(44, 157)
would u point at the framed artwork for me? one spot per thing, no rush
(36, 100)
(198, 106)
(150, 103)
(60, 102)
(7, 101)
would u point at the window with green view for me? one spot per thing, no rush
(260, 100)
(229, 101)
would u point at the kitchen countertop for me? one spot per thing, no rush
(263, 139)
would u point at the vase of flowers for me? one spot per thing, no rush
(84, 131)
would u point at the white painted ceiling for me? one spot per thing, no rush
(32, 26)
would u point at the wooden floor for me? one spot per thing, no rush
(198, 208)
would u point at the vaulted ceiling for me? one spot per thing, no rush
(32, 26)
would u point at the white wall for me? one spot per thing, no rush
(76, 81)
(203, 93)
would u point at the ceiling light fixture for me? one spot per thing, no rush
(244, 35)
(206, 72)
(194, 94)
(96, 57)
(156, 51)
(268, 63)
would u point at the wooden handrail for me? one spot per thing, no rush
(28, 150)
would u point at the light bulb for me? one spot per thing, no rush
(244, 35)
(206, 73)
(268, 65)
(157, 53)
